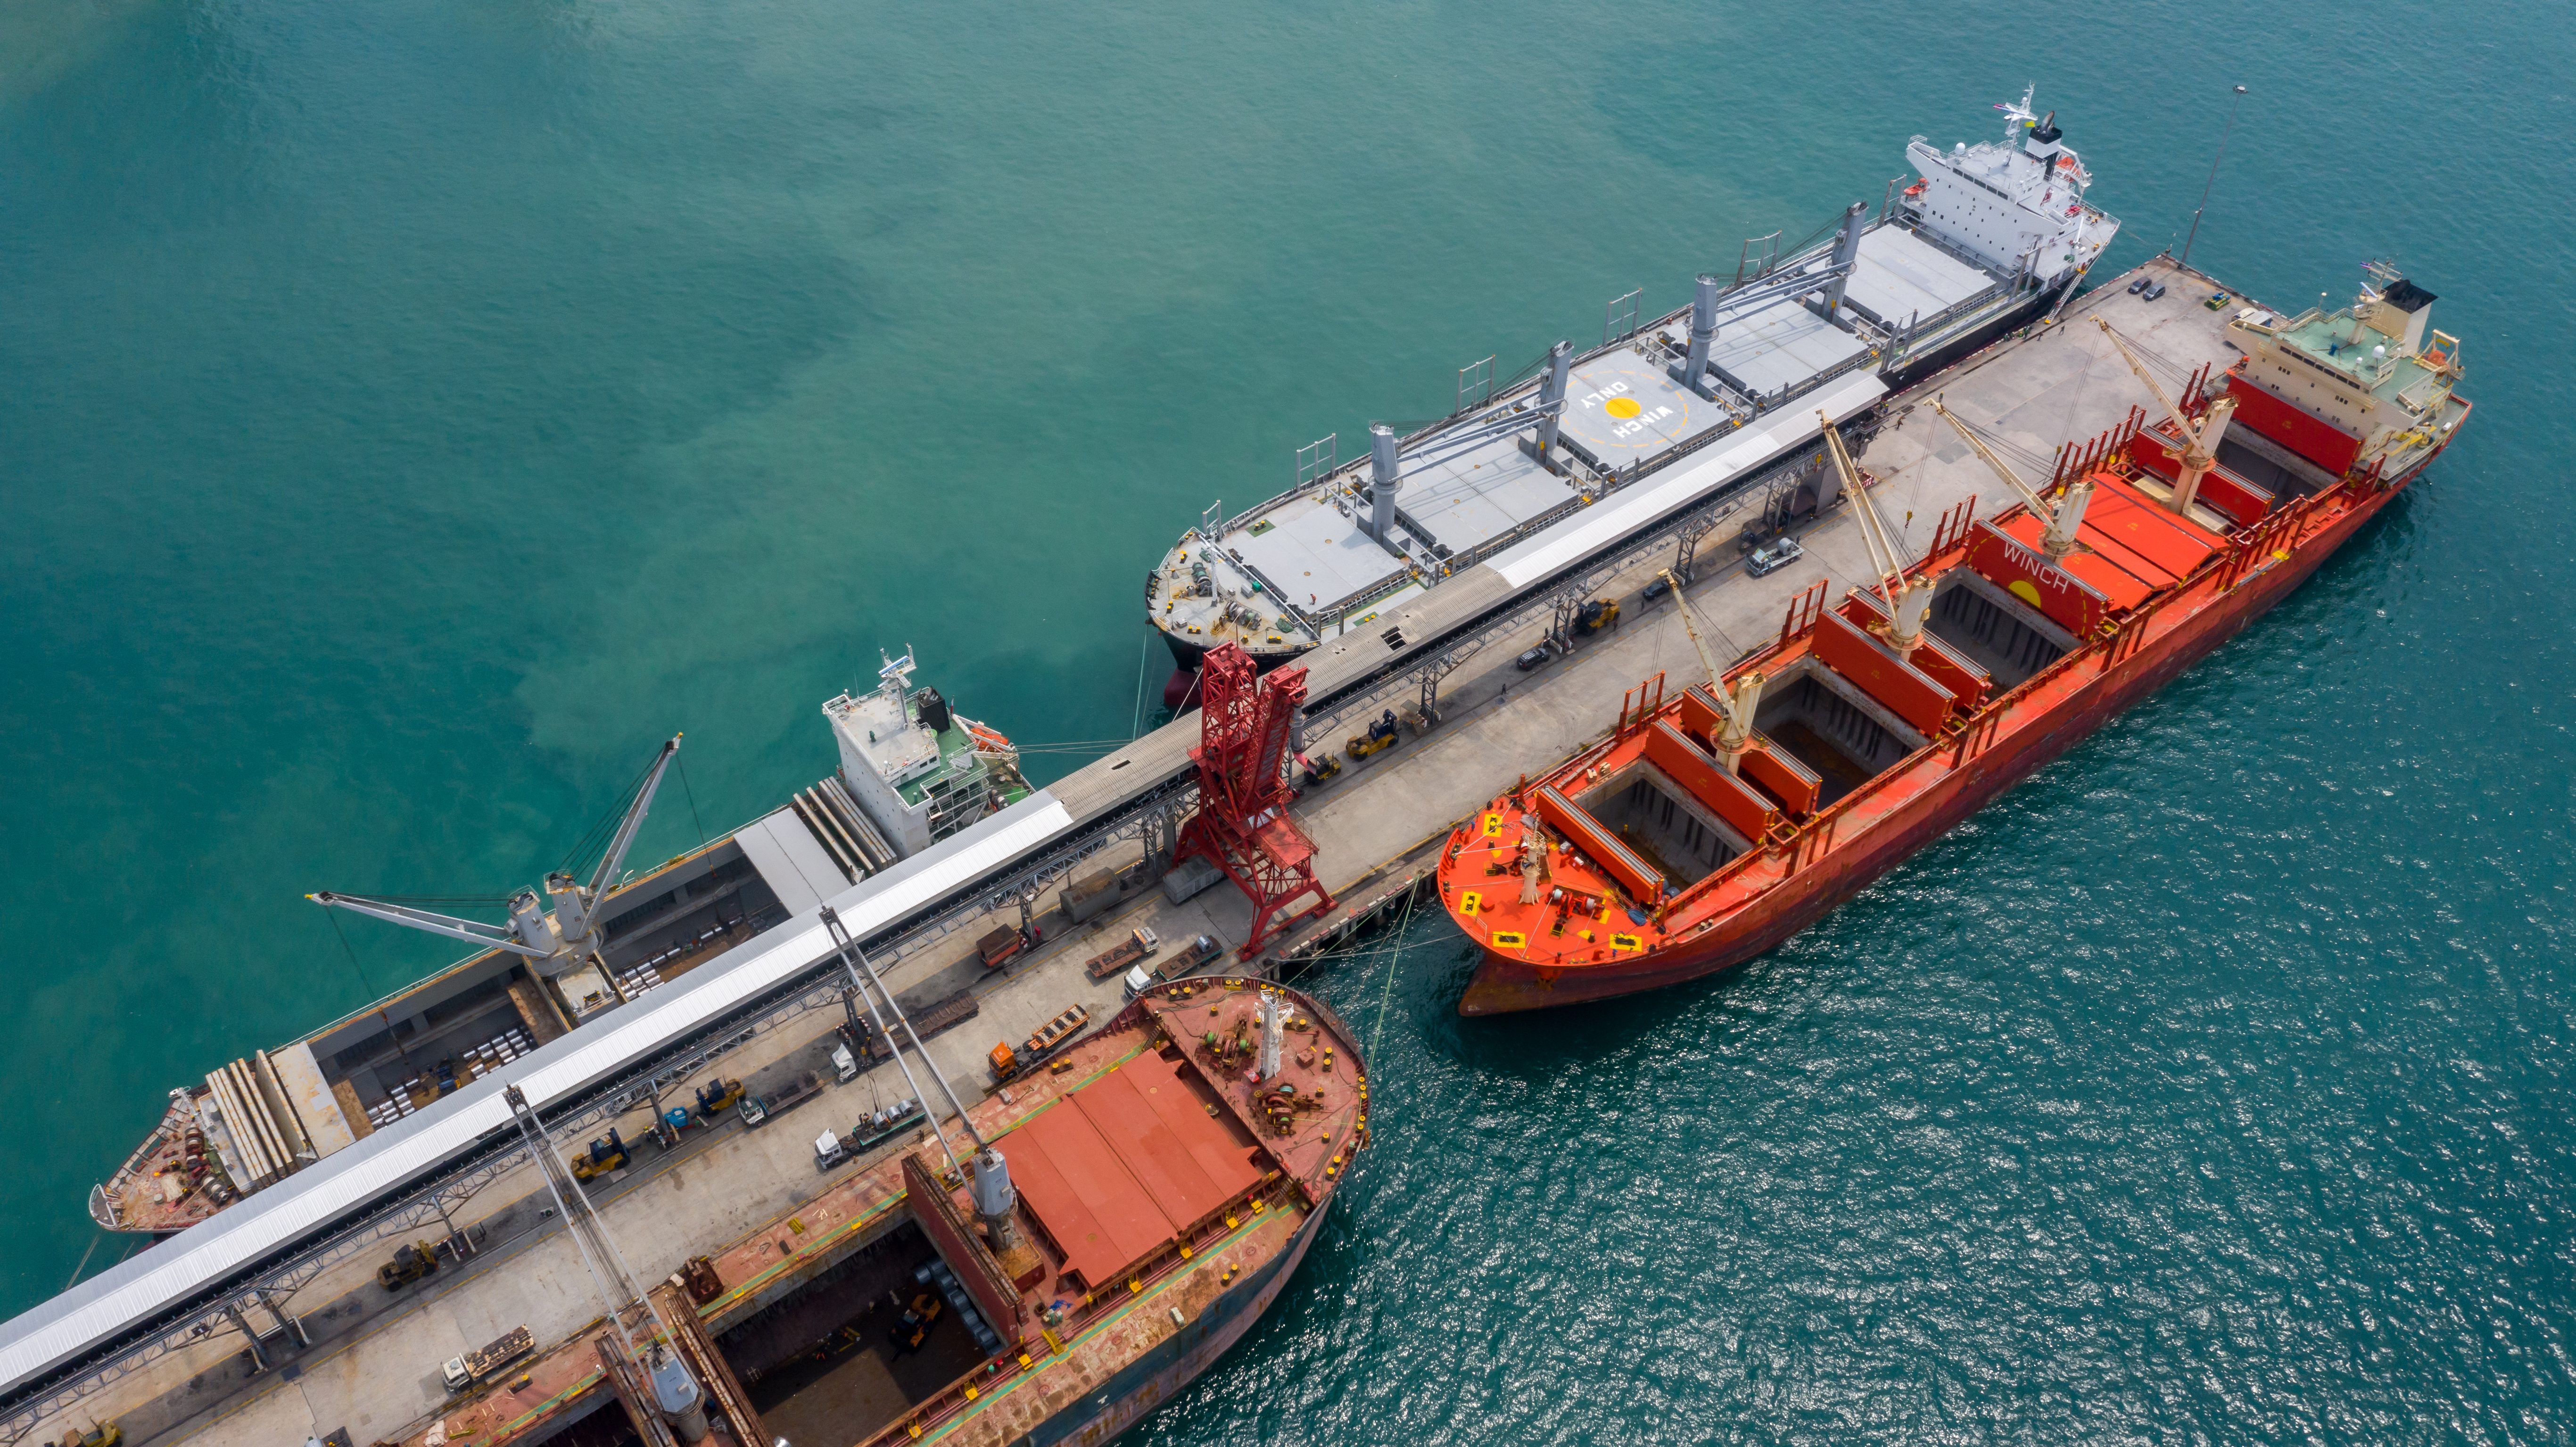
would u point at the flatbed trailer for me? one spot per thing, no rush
(482, 1363)
(1139, 944)
(758, 1110)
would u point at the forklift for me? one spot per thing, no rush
(410, 1264)
(1594, 616)
(716, 1097)
(605, 1155)
(1381, 735)
(912, 1329)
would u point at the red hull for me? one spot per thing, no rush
(1505, 983)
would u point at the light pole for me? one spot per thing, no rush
(2213, 175)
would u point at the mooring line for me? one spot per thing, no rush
(1377, 1032)
(1144, 656)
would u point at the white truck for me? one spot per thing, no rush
(481, 1366)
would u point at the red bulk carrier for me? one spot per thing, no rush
(1710, 826)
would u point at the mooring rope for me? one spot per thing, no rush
(1377, 1032)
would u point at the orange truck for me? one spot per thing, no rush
(1050, 1037)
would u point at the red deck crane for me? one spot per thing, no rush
(1242, 825)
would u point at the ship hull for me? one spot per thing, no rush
(1188, 654)
(1172, 1364)
(1917, 368)
(1505, 984)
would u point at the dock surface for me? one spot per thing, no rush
(373, 1368)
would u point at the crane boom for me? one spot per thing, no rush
(1735, 704)
(2200, 443)
(634, 820)
(1690, 625)
(2059, 520)
(2189, 432)
(1907, 603)
(1994, 464)
(1884, 560)
(472, 931)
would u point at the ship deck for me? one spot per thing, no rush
(1149, 1180)
(372, 1367)
(1300, 567)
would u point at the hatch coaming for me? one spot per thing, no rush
(1855, 743)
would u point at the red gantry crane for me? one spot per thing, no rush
(1242, 825)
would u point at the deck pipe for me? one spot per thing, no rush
(1270, 1030)
(1703, 333)
(1846, 254)
(1382, 483)
(1551, 397)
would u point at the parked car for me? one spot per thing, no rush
(2139, 285)
(1654, 590)
(2153, 293)
(1772, 556)
(1531, 659)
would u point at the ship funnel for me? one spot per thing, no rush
(994, 1196)
(1703, 333)
(1382, 483)
(677, 1394)
(1846, 253)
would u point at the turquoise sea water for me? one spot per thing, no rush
(410, 412)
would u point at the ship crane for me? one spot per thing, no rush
(2059, 519)
(557, 945)
(1735, 704)
(1907, 602)
(675, 1391)
(2200, 443)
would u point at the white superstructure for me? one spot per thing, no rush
(2016, 205)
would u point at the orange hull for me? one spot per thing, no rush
(1536, 956)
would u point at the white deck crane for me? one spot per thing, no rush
(1907, 602)
(675, 1391)
(558, 944)
(2059, 519)
(2200, 443)
(1735, 704)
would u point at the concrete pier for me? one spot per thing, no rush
(373, 1368)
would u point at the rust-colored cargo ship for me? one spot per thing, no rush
(1712, 825)
(1165, 1176)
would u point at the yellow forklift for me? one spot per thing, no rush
(410, 1264)
(606, 1154)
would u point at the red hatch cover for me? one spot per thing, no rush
(1116, 1170)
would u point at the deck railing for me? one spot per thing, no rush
(2245, 554)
